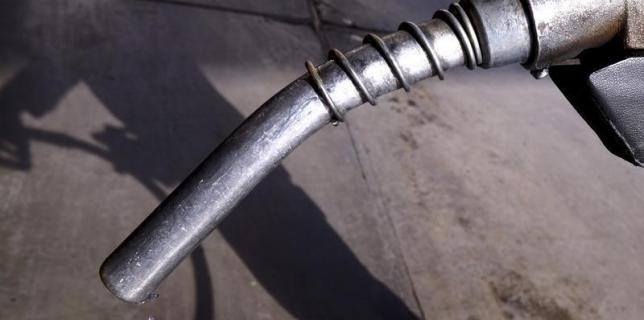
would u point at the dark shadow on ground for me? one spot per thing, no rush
(172, 119)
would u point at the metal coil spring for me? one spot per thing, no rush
(455, 17)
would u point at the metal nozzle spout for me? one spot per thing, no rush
(135, 269)
(138, 266)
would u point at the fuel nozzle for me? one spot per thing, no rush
(485, 33)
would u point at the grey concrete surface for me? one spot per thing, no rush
(380, 16)
(480, 197)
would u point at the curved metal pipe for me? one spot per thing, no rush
(136, 268)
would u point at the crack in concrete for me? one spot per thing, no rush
(297, 21)
(271, 16)
(318, 25)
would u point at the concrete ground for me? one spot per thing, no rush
(484, 196)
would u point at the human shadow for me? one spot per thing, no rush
(172, 118)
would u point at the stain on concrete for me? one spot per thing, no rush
(409, 139)
(520, 298)
(464, 222)
(419, 114)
